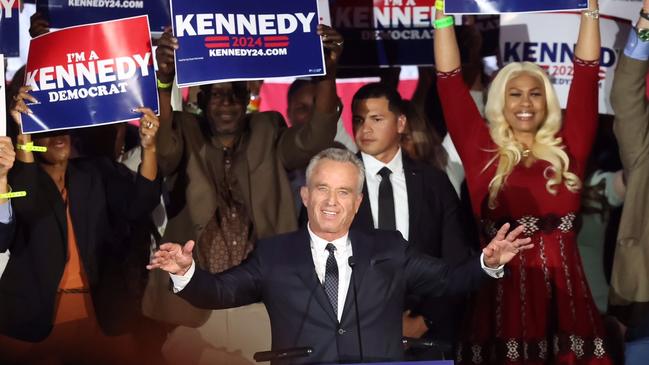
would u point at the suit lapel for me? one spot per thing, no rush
(415, 188)
(58, 205)
(362, 250)
(306, 271)
(78, 201)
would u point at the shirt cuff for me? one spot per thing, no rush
(635, 48)
(181, 281)
(496, 273)
(6, 213)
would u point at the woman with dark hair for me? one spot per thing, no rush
(526, 166)
(58, 302)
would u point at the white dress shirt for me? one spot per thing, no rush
(342, 254)
(399, 189)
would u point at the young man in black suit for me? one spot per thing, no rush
(413, 198)
(305, 281)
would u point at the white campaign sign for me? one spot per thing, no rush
(626, 9)
(526, 37)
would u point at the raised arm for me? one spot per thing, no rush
(298, 144)
(628, 98)
(581, 118)
(169, 144)
(462, 117)
(232, 288)
(588, 41)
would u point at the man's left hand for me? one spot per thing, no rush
(504, 246)
(332, 42)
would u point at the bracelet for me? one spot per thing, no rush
(164, 85)
(12, 194)
(29, 147)
(643, 14)
(593, 14)
(444, 22)
(439, 5)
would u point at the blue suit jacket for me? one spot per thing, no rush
(280, 272)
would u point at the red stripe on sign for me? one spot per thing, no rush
(217, 45)
(276, 44)
(276, 38)
(217, 39)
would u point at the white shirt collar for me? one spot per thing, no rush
(319, 244)
(372, 165)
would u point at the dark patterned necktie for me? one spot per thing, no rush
(331, 278)
(386, 201)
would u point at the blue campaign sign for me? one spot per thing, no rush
(67, 13)
(246, 40)
(81, 77)
(9, 28)
(510, 6)
(386, 32)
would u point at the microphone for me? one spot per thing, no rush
(352, 263)
(282, 354)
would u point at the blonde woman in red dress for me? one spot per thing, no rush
(525, 165)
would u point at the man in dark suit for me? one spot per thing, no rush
(412, 197)
(305, 281)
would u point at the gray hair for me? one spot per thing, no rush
(338, 155)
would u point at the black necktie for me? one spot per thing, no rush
(386, 201)
(331, 278)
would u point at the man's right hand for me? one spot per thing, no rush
(173, 258)
(164, 55)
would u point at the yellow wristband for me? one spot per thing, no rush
(164, 85)
(12, 194)
(439, 5)
(444, 22)
(29, 147)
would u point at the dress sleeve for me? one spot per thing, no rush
(463, 120)
(581, 118)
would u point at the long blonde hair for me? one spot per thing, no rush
(547, 146)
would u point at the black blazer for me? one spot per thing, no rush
(102, 196)
(280, 272)
(437, 227)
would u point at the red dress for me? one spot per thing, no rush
(542, 311)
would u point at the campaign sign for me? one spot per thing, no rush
(90, 75)
(68, 13)
(9, 26)
(244, 40)
(525, 37)
(511, 6)
(385, 32)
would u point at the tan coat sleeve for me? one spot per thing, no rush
(629, 101)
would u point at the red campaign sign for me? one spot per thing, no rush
(90, 75)
(385, 32)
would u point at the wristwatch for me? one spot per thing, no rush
(643, 34)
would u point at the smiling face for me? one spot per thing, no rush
(377, 129)
(58, 147)
(332, 198)
(525, 106)
(226, 107)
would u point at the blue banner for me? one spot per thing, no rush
(385, 33)
(9, 28)
(244, 40)
(511, 6)
(90, 75)
(67, 13)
